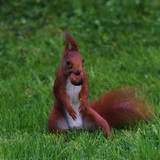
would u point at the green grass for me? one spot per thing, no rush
(119, 41)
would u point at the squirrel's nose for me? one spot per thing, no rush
(78, 71)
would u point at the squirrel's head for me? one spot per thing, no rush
(72, 62)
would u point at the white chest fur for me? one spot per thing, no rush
(73, 95)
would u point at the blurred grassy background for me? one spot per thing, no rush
(120, 42)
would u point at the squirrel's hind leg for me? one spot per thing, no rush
(92, 120)
(57, 123)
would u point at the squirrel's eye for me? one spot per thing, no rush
(83, 61)
(68, 62)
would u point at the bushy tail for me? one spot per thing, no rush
(121, 106)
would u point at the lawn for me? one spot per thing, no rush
(120, 42)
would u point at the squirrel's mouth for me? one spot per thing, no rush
(77, 79)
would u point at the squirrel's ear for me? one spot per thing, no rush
(70, 41)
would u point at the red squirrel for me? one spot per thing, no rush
(72, 108)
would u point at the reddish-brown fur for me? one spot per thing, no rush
(112, 110)
(121, 106)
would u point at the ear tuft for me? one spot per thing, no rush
(70, 41)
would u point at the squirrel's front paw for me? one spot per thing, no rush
(82, 109)
(73, 114)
